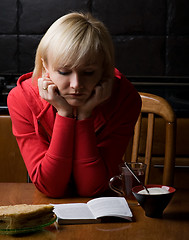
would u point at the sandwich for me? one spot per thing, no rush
(25, 216)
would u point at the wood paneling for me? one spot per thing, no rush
(12, 167)
(182, 137)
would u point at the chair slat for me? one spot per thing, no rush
(149, 142)
(136, 139)
(170, 149)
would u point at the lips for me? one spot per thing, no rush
(76, 94)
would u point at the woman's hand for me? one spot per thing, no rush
(101, 93)
(49, 91)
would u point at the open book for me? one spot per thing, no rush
(92, 211)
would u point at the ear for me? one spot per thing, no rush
(45, 67)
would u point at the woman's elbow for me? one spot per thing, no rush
(90, 191)
(51, 192)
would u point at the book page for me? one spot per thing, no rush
(110, 206)
(73, 211)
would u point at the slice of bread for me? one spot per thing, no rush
(23, 215)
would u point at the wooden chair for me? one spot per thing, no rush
(155, 106)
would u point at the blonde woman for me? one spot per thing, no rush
(74, 115)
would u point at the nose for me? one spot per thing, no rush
(75, 81)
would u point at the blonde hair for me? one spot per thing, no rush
(75, 39)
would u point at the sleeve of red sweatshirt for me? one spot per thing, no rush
(89, 169)
(49, 166)
(97, 160)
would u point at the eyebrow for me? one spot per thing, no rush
(81, 66)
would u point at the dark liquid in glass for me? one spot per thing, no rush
(128, 182)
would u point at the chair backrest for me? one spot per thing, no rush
(12, 167)
(155, 106)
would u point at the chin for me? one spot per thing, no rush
(75, 103)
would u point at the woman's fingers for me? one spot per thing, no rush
(46, 88)
(49, 92)
(103, 91)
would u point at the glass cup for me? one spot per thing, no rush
(123, 183)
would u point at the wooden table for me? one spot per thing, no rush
(173, 225)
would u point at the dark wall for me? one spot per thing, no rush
(151, 37)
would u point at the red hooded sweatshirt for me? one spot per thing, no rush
(59, 151)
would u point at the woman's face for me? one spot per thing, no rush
(78, 84)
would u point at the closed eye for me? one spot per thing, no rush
(64, 72)
(89, 73)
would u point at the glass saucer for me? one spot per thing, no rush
(27, 229)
